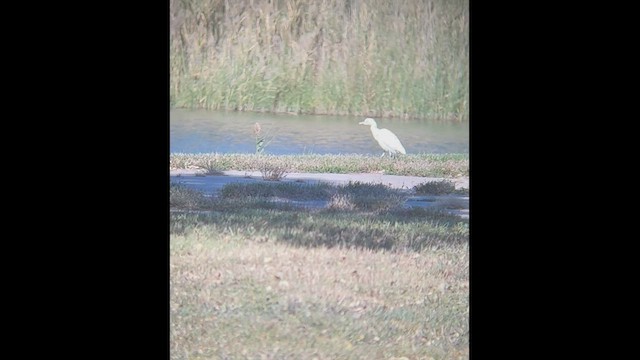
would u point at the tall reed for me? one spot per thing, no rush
(378, 58)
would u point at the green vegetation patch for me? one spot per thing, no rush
(428, 165)
(240, 290)
(374, 58)
(294, 191)
(327, 228)
(181, 196)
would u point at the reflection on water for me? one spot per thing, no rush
(203, 131)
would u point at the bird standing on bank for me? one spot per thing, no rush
(388, 141)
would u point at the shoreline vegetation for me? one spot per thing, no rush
(372, 58)
(427, 165)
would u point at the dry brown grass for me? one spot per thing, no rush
(239, 297)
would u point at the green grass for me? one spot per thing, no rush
(436, 187)
(330, 229)
(251, 278)
(373, 58)
(352, 196)
(279, 190)
(429, 165)
(183, 197)
(281, 284)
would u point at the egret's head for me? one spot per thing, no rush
(368, 121)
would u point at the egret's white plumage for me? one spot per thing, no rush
(388, 141)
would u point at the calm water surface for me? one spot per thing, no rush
(203, 131)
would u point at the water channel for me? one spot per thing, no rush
(204, 131)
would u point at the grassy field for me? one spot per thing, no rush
(434, 165)
(375, 58)
(362, 278)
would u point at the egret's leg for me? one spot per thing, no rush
(382, 154)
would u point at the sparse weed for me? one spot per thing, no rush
(272, 172)
(262, 140)
(211, 167)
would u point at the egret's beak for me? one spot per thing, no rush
(361, 123)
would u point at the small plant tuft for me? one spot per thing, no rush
(210, 166)
(441, 187)
(341, 202)
(182, 197)
(368, 197)
(272, 172)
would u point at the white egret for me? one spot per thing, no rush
(388, 141)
